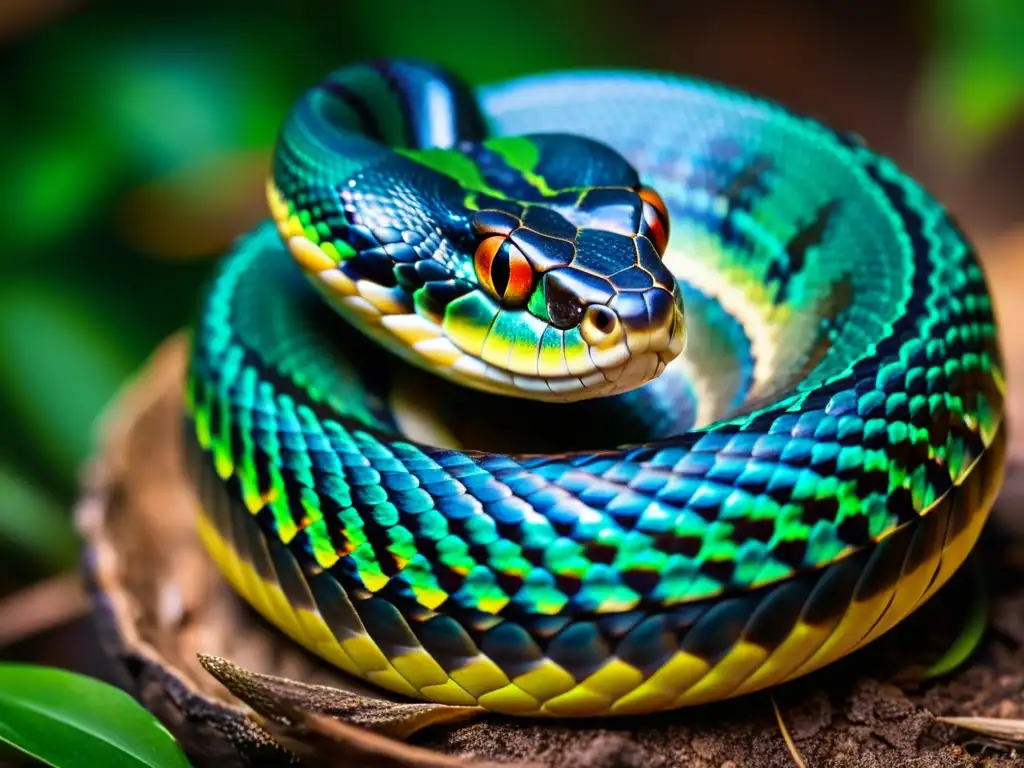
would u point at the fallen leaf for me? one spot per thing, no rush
(995, 727)
(279, 699)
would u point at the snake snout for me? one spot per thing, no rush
(652, 321)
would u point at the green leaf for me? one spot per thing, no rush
(972, 84)
(33, 525)
(67, 720)
(53, 185)
(532, 35)
(973, 630)
(61, 359)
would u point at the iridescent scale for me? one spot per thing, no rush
(817, 463)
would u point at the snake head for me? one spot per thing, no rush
(577, 299)
(497, 277)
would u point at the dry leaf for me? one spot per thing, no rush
(280, 698)
(995, 727)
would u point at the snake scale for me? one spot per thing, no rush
(588, 393)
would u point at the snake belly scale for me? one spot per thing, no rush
(795, 339)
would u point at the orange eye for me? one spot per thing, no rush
(503, 270)
(656, 218)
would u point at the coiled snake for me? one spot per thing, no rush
(787, 419)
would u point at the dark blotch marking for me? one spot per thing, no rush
(791, 552)
(446, 641)
(688, 546)
(511, 648)
(749, 177)
(854, 530)
(901, 503)
(579, 649)
(718, 630)
(720, 570)
(290, 576)
(642, 582)
(600, 553)
(568, 585)
(884, 565)
(510, 583)
(774, 619)
(386, 626)
(832, 594)
(870, 483)
(807, 237)
(379, 269)
(648, 645)
(815, 510)
(757, 530)
(335, 606)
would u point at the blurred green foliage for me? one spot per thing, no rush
(979, 62)
(972, 87)
(135, 120)
(136, 135)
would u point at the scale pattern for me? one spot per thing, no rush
(815, 503)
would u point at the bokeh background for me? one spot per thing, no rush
(134, 137)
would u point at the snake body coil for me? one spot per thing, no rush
(814, 465)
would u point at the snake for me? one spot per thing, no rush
(587, 393)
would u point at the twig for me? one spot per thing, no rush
(43, 606)
(790, 745)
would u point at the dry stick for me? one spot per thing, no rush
(43, 606)
(790, 745)
(997, 728)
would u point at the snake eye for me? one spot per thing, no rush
(503, 270)
(655, 219)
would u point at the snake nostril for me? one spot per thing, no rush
(598, 324)
(603, 319)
